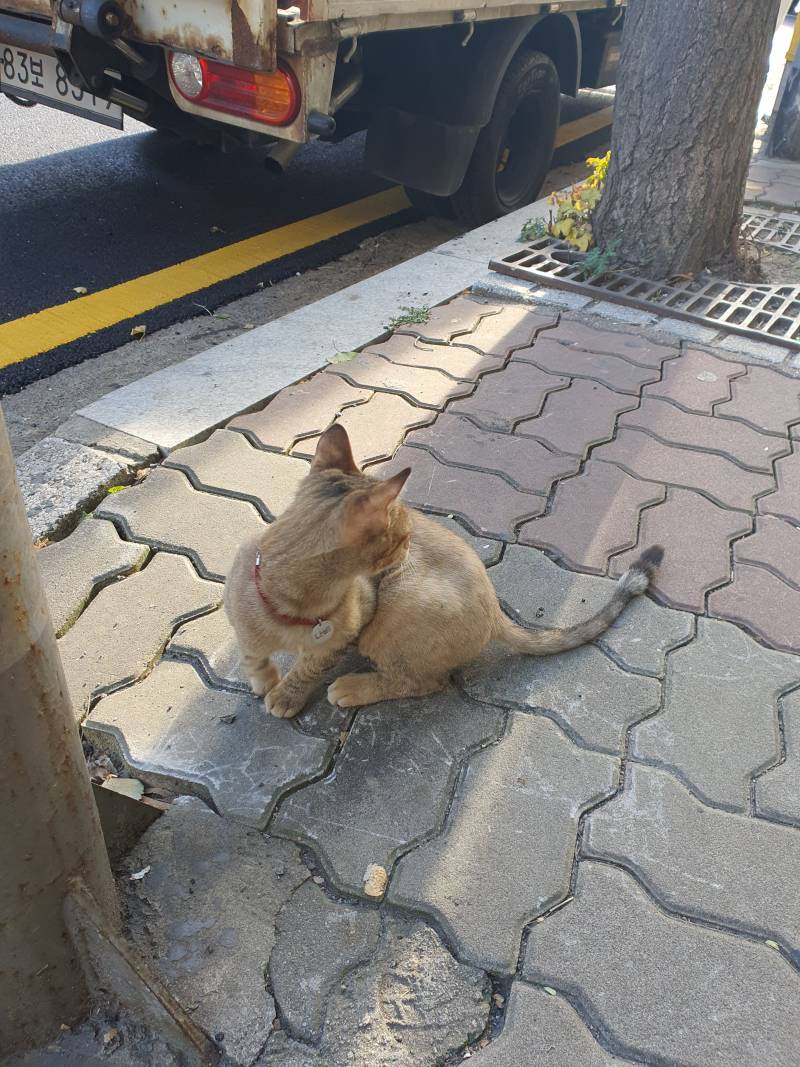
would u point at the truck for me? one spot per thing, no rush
(460, 104)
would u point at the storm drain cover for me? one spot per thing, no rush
(772, 228)
(764, 312)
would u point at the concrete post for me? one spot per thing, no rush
(49, 828)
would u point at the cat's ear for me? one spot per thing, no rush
(385, 493)
(368, 510)
(334, 451)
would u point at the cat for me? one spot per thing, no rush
(348, 563)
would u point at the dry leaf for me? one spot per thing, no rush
(138, 332)
(129, 787)
(249, 326)
(342, 357)
(375, 880)
(139, 875)
(81, 290)
(773, 944)
(550, 991)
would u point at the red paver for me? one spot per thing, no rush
(696, 536)
(493, 329)
(696, 381)
(576, 418)
(527, 463)
(765, 399)
(600, 367)
(735, 440)
(299, 410)
(775, 545)
(428, 388)
(375, 429)
(485, 501)
(503, 399)
(463, 364)
(726, 484)
(786, 501)
(631, 346)
(761, 603)
(593, 517)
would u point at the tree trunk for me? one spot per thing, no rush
(50, 829)
(691, 74)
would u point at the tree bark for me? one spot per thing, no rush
(691, 74)
(50, 828)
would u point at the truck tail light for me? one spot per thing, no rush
(272, 98)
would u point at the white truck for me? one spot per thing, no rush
(460, 104)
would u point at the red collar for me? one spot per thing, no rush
(285, 620)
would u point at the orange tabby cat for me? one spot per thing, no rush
(348, 563)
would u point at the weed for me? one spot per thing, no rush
(599, 261)
(409, 316)
(533, 230)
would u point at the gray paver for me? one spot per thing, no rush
(548, 355)
(719, 723)
(169, 728)
(494, 329)
(545, 1031)
(778, 791)
(94, 434)
(59, 479)
(74, 568)
(228, 464)
(583, 690)
(628, 344)
(427, 388)
(319, 941)
(165, 511)
(576, 418)
(463, 364)
(126, 626)
(393, 781)
(488, 550)
(701, 861)
(696, 381)
(203, 917)
(659, 985)
(501, 400)
(510, 837)
(538, 593)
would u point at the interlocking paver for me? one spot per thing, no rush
(593, 516)
(299, 411)
(126, 626)
(456, 361)
(375, 429)
(786, 501)
(697, 381)
(393, 781)
(700, 861)
(631, 346)
(661, 986)
(319, 941)
(545, 1031)
(173, 731)
(491, 328)
(525, 462)
(583, 690)
(503, 399)
(72, 569)
(762, 603)
(774, 545)
(576, 418)
(535, 778)
(488, 549)
(778, 790)
(719, 723)
(735, 440)
(765, 399)
(539, 593)
(601, 367)
(722, 481)
(486, 502)
(166, 512)
(696, 536)
(228, 464)
(428, 388)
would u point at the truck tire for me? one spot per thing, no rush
(514, 150)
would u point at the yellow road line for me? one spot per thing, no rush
(43, 330)
(573, 131)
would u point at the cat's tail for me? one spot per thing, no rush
(633, 583)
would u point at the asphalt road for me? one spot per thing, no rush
(82, 205)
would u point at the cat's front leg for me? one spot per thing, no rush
(262, 674)
(291, 694)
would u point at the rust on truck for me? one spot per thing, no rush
(240, 32)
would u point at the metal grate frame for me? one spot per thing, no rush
(772, 228)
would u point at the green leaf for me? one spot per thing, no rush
(116, 488)
(342, 357)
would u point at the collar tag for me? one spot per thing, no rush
(322, 632)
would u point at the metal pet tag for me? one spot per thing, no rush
(322, 631)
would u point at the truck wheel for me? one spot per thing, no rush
(513, 152)
(430, 204)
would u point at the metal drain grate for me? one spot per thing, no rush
(772, 228)
(769, 312)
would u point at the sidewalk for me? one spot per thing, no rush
(592, 858)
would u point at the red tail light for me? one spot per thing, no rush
(272, 98)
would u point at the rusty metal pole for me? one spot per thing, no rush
(49, 828)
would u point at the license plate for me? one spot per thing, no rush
(42, 78)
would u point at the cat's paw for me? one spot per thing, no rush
(283, 703)
(264, 681)
(352, 691)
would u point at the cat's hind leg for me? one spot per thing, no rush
(356, 690)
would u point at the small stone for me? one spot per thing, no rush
(499, 999)
(317, 880)
(375, 880)
(227, 719)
